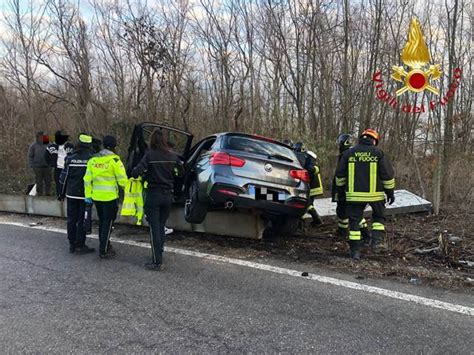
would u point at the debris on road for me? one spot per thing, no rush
(426, 251)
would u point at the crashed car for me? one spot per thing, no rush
(232, 171)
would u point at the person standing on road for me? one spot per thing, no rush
(104, 175)
(344, 142)
(364, 176)
(308, 161)
(56, 153)
(159, 166)
(37, 162)
(71, 184)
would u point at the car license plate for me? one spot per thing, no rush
(266, 194)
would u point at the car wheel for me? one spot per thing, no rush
(194, 210)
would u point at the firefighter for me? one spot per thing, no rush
(71, 184)
(104, 175)
(364, 176)
(308, 161)
(159, 167)
(344, 142)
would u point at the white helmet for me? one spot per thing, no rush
(312, 154)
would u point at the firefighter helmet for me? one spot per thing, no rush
(298, 146)
(344, 141)
(312, 154)
(372, 134)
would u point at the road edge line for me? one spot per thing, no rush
(283, 271)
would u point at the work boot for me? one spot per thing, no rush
(366, 237)
(376, 244)
(109, 254)
(154, 267)
(72, 247)
(355, 249)
(316, 219)
(342, 232)
(84, 250)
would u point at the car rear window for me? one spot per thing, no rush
(257, 146)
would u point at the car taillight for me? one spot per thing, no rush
(220, 158)
(297, 205)
(227, 192)
(300, 174)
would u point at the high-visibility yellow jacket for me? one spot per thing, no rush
(105, 173)
(133, 200)
(365, 174)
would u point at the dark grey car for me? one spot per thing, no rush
(233, 171)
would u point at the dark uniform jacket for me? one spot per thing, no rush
(310, 164)
(364, 173)
(72, 177)
(334, 186)
(159, 169)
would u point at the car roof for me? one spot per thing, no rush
(255, 136)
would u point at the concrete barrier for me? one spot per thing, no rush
(405, 202)
(229, 223)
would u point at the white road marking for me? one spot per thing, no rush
(279, 270)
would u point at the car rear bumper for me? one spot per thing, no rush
(222, 193)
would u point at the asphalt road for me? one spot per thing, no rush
(54, 302)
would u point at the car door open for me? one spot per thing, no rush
(178, 140)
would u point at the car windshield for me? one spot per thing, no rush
(258, 146)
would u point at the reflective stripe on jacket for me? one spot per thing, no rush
(72, 177)
(105, 173)
(315, 182)
(364, 173)
(133, 200)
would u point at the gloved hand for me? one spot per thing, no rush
(88, 201)
(390, 196)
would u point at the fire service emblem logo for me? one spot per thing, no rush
(416, 75)
(416, 56)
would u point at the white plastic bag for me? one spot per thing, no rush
(32, 191)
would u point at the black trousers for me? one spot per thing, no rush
(43, 180)
(107, 213)
(57, 174)
(341, 213)
(157, 210)
(355, 211)
(75, 221)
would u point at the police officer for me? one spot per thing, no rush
(364, 176)
(104, 175)
(71, 184)
(308, 161)
(344, 142)
(159, 166)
